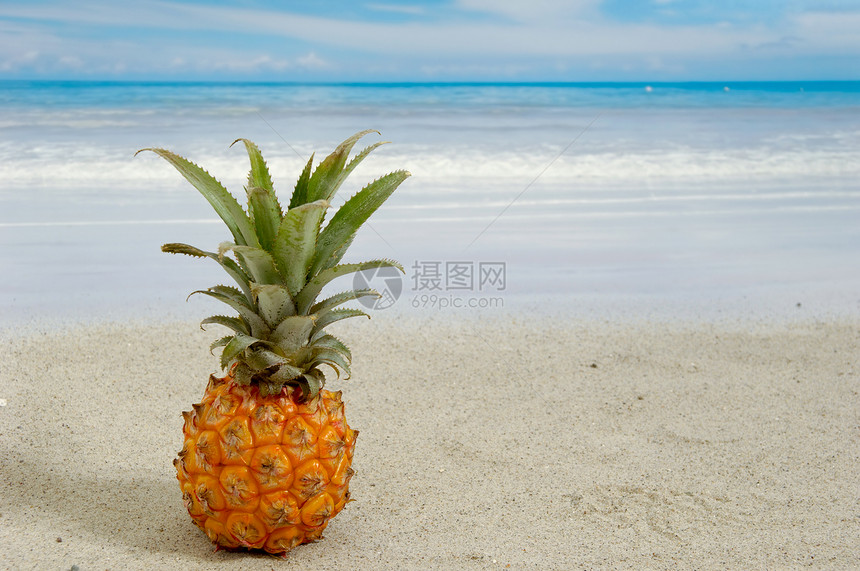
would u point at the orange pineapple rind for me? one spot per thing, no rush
(245, 492)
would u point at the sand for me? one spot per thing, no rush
(485, 444)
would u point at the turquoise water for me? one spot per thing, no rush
(66, 94)
(698, 192)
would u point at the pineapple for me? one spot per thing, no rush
(267, 454)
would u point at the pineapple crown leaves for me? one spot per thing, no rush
(326, 179)
(259, 175)
(264, 210)
(340, 230)
(224, 203)
(281, 260)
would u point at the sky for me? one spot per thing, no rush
(431, 40)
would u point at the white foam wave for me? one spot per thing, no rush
(68, 167)
(87, 223)
(630, 200)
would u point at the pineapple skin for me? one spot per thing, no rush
(264, 472)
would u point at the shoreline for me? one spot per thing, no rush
(511, 440)
(742, 307)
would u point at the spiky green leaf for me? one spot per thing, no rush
(259, 175)
(286, 373)
(229, 265)
(332, 358)
(341, 298)
(310, 292)
(300, 192)
(356, 160)
(332, 342)
(234, 323)
(265, 215)
(235, 299)
(263, 207)
(310, 383)
(260, 359)
(237, 345)
(349, 218)
(259, 264)
(338, 254)
(243, 374)
(330, 316)
(325, 180)
(222, 201)
(220, 342)
(295, 243)
(293, 332)
(274, 303)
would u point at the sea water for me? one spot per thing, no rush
(698, 194)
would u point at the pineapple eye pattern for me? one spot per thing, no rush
(264, 499)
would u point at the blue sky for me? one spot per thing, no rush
(431, 40)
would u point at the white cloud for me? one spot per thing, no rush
(551, 37)
(509, 36)
(16, 61)
(833, 30)
(71, 62)
(396, 9)
(313, 61)
(531, 11)
(502, 71)
(243, 65)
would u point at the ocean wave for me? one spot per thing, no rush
(70, 167)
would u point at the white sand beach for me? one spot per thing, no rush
(503, 443)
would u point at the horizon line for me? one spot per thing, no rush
(476, 83)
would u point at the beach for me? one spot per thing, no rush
(626, 337)
(486, 443)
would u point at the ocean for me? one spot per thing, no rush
(721, 197)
